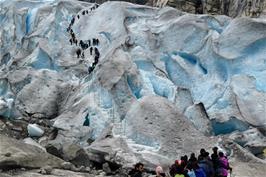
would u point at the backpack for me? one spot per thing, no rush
(179, 175)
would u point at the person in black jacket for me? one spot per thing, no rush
(137, 171)
(91, 50)
(96, 51)
(78, 52)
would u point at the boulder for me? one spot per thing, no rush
(120, 152)
(30, 141)
(251, 139)
(76, 155)
(112, 150)
(16, 154)
(154, 122)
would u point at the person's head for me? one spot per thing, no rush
(202, 151)
(206, 155)
(179, 165)
(215, 150)
(192, 157)
(158, 170)
(184, 158)
(139, 166)
(221, 154)
(178, 162)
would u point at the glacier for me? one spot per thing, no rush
(161, 72)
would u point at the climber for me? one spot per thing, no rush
(223, 165)
(78, 52)
(96, 59)
(192, 157)
(96, 51)
(82, 55)
(81, 44)
(93, 41)
(72, 21)
(137, 171)
(202, 152)
(97, 42)
(70, 40)
(68, 29)
(72, 34)
(73, 37)
(83, 12)
(94, 64)
(198, 171)
(184, 160)
(205, 163)
(215, 158)
(86, 46)
(87, 12)
(78, 16)
(91, 50)
(76, 41)
(159, 172)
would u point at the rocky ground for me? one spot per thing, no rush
(22, 156)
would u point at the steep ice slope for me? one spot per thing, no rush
(191, 52)
(209, 69)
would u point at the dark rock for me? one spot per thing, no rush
(76, 155)
(54, 150)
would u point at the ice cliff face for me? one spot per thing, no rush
(163, 75)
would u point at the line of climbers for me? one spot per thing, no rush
(87, 44)
(84, 45)
(216, 165)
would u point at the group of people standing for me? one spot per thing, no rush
(83, 45)
(204, 165)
